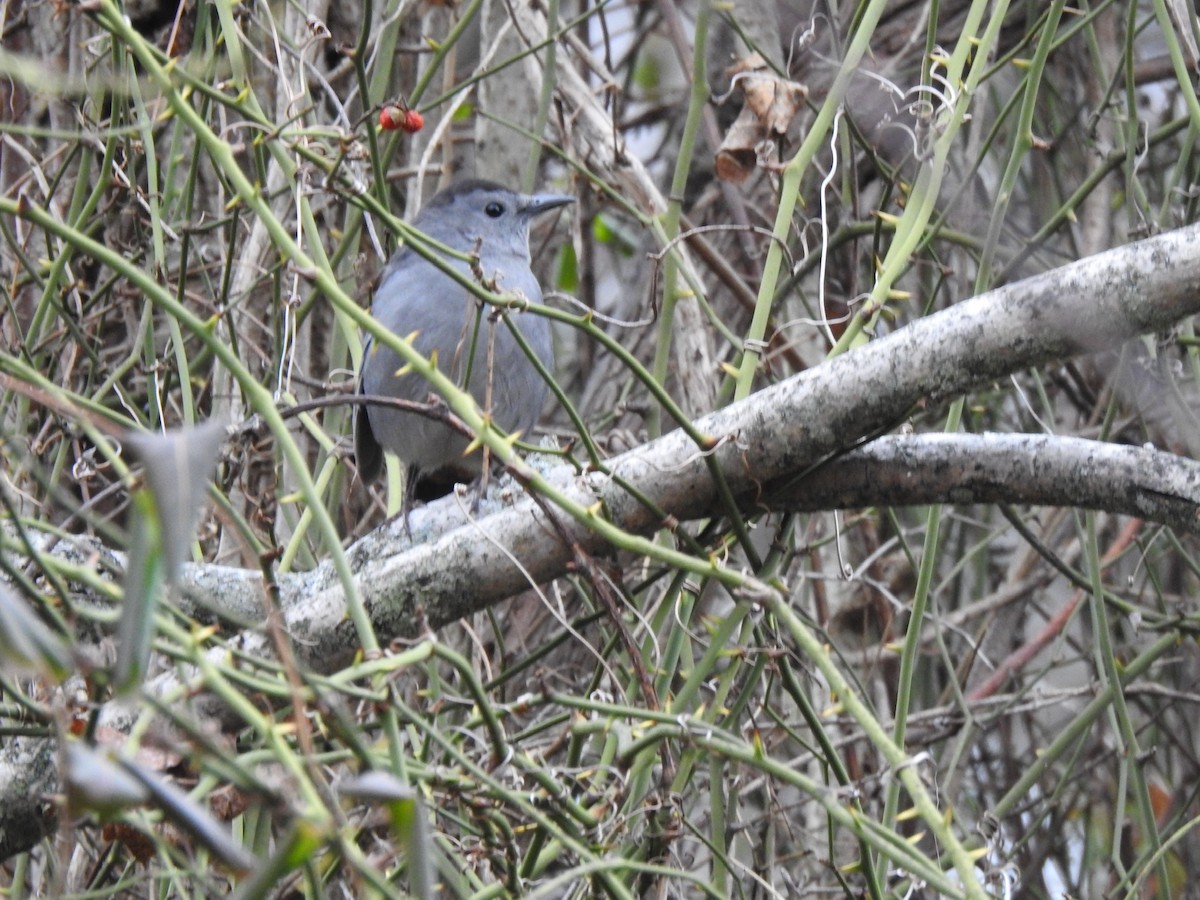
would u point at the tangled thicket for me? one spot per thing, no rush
(788, 681)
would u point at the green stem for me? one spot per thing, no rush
(793, 171)
(670, 219)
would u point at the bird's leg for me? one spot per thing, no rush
(483, 479)
(410, 498)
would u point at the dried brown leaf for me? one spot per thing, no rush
(771, 103)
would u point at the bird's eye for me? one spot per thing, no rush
(494, 210)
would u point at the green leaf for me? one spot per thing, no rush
(27, 644)
(178, 467)
(408, 821)
(567, 277)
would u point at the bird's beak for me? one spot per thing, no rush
(541, 203)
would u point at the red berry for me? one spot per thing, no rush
(413, 121)
(392, 117)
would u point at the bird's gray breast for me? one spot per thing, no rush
(415, 296)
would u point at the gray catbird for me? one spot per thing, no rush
(472, 217)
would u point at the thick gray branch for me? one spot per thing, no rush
(777, 433)
(1030, 469)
